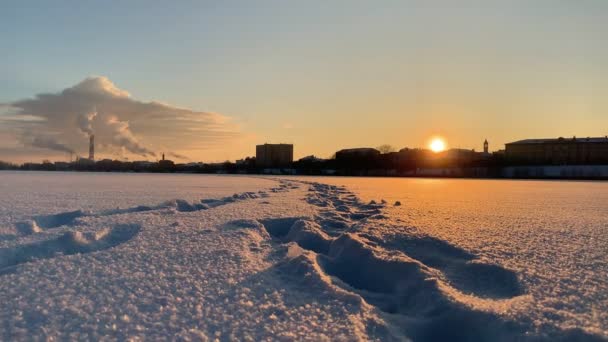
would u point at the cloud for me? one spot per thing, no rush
(48, 143)
(63, 122)
(178, 156)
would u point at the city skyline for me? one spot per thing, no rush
(222, 78)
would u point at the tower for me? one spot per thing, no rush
(485, 146)
(92, 147)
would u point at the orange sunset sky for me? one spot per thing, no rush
(323, 76)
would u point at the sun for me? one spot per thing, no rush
(437, 145)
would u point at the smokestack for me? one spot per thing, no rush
(92, 147)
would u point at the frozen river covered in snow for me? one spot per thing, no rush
(203, 257)
(553, 234)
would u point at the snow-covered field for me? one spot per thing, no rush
(196, 257)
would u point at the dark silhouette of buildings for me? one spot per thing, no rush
(352, 160)
(575, 158)
(357, 153)
(361, 161)
(165, 165)
(274, 155)
(560, 151)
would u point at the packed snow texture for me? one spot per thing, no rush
(191, 257)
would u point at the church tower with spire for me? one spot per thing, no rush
(485, 146)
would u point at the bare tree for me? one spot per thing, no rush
(386, 148)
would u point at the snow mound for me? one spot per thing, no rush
(246, 195)
(462, 269)
(185, 206)
(252, 234)
(249, 226)
(349, 255)
(69, 218)
(72, 242)
(280, 227)
(136, 209)
(358, 273)
(57, 220)
(28, 227)
(309, 235)
(303, 266)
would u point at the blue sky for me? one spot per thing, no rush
(326, 75)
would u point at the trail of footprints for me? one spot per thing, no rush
(72, 242)
(330, 234)
(408, 276)
(401, 274)
(334, 232)
(69, 218)
(76, 242)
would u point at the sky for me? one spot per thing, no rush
(208, 80)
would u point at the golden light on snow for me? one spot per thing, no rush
(437, 145)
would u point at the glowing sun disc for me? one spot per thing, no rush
(437, 145)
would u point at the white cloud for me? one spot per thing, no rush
(63, 121)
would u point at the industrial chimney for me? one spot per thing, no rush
(92, 147)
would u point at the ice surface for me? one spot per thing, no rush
(192, 257)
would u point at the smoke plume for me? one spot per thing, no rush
(49, 143)
(63, 122)
(178, 156)
(85, 122)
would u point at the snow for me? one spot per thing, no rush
(203, 258)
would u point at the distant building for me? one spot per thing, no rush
(143, 163)
(415, 154)
(311, 159)
(60, 166)
(356, 153)
(460, 157)
(408, 159)
(560, 151)
(166, 163)
(246, 162)
(274, 155)
(85, 161)
(357, 159)
(486, 147)
(456, 153)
